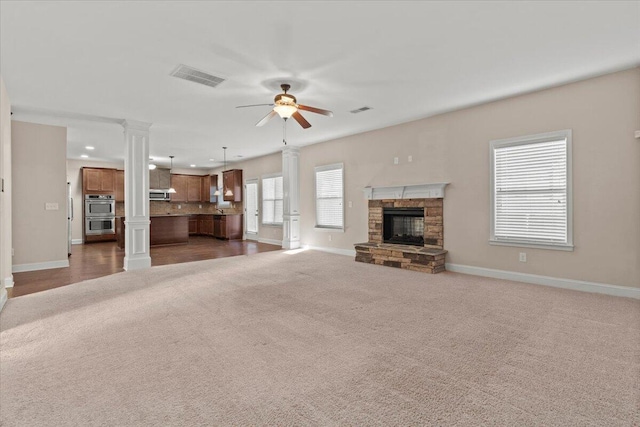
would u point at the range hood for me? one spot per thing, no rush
(160, 179)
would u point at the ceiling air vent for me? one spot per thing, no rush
(360, 110)
(196, 76)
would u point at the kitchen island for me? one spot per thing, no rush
(163, 230)
(174, 229)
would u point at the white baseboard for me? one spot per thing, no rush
(577, 285)
(270, 241)
(3, 298)
(20, 268)
(76, 241)
(8, 282)
(347, 252)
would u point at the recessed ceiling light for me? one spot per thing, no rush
(193, 166)
(151, 166)
(84, 156)
(88, 147)
(212, 160)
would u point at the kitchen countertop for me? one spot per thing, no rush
(169, 215)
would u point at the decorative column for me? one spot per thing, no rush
(136, 195)
(291, 187)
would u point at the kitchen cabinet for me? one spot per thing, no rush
(188, 188)
(193, 224)
(159, 179)
(98, 181)
(119, 186)
(209, 185)
(227, 227)
(194, 188)
(205, 225)
(179, 183)
(232, 180)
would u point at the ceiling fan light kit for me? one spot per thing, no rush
(285, 105)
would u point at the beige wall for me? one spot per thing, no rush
(603, 113)
(39, 175)
(6, 278)
(257, 168)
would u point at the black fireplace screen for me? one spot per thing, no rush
(403, 226)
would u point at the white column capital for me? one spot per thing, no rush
(290, 149)
(136, 125)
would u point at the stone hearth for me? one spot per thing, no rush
(429, 259)
(409, 257)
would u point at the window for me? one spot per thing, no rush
(329, 195)
(531, 191)
(272, 200)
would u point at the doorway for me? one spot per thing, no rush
(251, 209)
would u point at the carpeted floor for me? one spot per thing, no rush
(316, 339)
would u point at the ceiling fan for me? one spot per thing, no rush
(284, 105)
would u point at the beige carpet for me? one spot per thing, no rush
(316, 339)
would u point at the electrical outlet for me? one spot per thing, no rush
(329, 237)
(50, 206)
(200, 206)
(523, 257)
(179, 206)
(396, 161)
(350, 204)
(410, 158)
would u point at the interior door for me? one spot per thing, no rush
(251, 209)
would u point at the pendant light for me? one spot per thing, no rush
(228, 192)
(171, 189)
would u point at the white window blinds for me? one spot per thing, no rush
(531, 191)
(329, 195)
(272, 200)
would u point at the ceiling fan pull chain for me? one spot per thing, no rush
(284, 131)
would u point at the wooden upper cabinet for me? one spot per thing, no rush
(98, 181)
(205, 192)
(119, 186)
(194, 188)
(159, 179)
(232, 180)
(179, 183)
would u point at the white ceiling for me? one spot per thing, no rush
(63, 62)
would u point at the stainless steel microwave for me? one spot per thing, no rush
(161, 195)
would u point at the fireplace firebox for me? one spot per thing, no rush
(403, 226)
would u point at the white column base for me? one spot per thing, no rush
(136, 234)
(291, 232)
(3, 298)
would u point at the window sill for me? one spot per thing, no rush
(331, 229)
(515, 243)
(272, 224)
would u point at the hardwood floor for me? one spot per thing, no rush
(102, 259)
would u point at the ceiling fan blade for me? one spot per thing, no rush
(301, 120)
(316, 110)
(266, 118)
(254, 105)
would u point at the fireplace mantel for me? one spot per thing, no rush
(419, 191)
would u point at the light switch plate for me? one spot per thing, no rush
(395, 160)
(51, 206)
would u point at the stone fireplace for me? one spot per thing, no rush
(405, 228)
